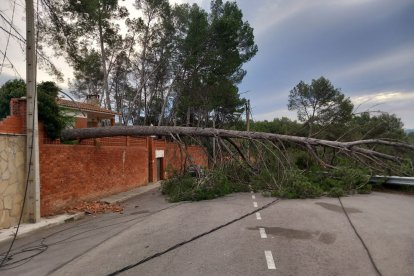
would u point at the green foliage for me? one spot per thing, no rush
(11, 89)
(297, 185)
(292, 183)
(176, 63)
(384, 125)
(48, 110)
(212, 50)
(88, 73)
(410, 138)
(302, 160)
(216, 183)
(320, 104)
(179, 188)
(283, 125)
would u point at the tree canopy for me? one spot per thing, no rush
(320, 104)
(176, 64)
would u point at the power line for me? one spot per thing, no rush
(8, 38)
(20, 37)
(12, 65)
(11, 26)
(13, 35)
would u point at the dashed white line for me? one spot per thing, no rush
(269, 260)
(258, 216)
(262, 233)
(254, 204)
(251, 192)
(253, 196)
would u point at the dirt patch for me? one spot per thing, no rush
(337, 208)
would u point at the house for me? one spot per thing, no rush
(89, 113)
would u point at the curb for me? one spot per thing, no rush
(44, 223)
(124, 196)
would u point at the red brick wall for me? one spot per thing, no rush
(16, 121)
(199, 155)
(100, 167)
(174, 160)
(71, 173)
(95, 167)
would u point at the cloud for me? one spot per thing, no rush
(393, 102)
(383, 63)
(383, 97)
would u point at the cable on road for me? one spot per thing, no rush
(29, 251)
(190, 240)
(361, 239)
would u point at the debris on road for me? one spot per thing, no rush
(94, 207)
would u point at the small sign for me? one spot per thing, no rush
(159, 153)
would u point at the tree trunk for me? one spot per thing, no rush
(346, 147)
(164, 105)
(188, 117)
(105, 89)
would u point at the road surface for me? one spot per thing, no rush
(228, 236)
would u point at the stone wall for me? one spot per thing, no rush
(12, 177)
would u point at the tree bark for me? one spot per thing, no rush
(104, 70)
(348, 147)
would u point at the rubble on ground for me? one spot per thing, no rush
(95, 207)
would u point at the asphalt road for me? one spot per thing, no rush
(218, 237)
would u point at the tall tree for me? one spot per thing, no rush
(76, 24)
(150, 60)
(320, 104)
(214, 49)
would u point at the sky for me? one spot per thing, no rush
(364, 47)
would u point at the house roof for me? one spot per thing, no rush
(87, 107)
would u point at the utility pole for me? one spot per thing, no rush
(248, 115)
(32, 204)
(214, 138)
(248, 126)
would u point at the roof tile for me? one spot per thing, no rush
(84, 106)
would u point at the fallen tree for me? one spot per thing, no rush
(345, 147)
(244, 160)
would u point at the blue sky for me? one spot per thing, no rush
(365, 47)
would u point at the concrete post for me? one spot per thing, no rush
(32, 205)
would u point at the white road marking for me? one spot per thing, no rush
(251, 192)
(254, 204)
(253, 196)
(269, 260)
(262, 233)
(258, 216)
